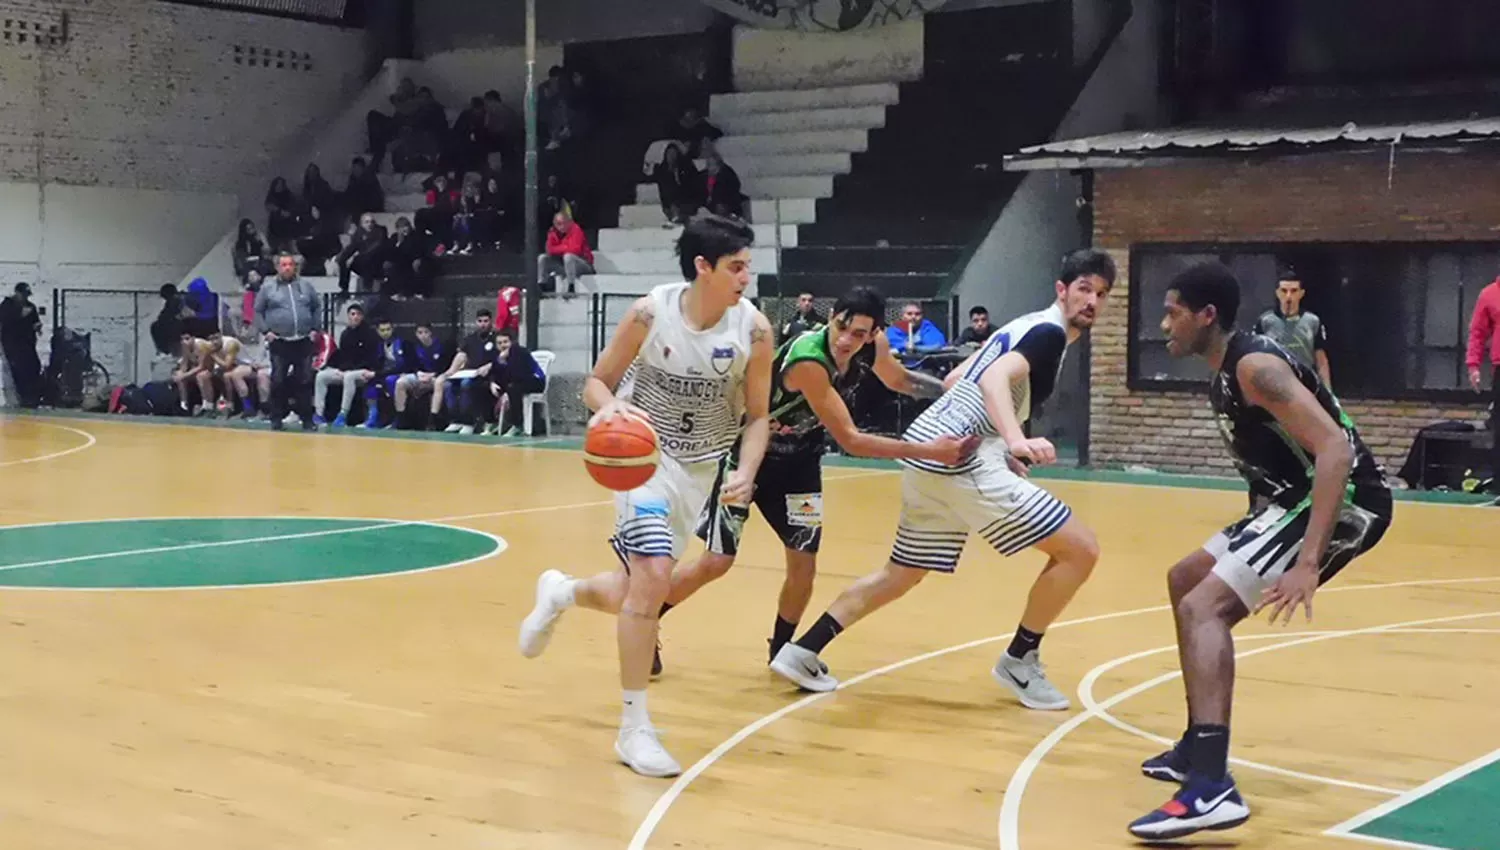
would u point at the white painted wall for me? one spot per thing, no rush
(787, 59)
(122, 151)
(444, 25)
(1012, 270)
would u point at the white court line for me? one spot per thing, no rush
(1086, 696)
(663, 803)
(1346, 829)
(1009, 827)
(89, 438)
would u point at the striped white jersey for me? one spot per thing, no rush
(692, 382)
(1041, 338)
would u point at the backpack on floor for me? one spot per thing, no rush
(161, 397)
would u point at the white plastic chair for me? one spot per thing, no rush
(530, 401)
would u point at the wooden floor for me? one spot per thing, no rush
(396, 713)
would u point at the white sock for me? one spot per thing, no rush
(566, 593)
(633, 712)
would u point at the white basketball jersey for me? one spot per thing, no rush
(691, 382)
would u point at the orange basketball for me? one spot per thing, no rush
(620, 453)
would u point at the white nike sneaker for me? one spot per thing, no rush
(803, 668)
(536, 629)
(1028, 680)
(641, 751)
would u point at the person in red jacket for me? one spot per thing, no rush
(567, 254)
(1485, 328)
(508, 309)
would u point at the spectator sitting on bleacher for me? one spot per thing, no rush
(166, 331)
(721, 188)
(322, 240)
(514, 376)
(554, 201)
(192, 360)
(804, 319)
(914, 335)
(250, 252)
(468, 141)
(472, 362)
(355, 363)
(315, 190)
(436, 220)
(414, 151)
(282, 222)
(425, 360)
(383, 128)
(362, 256)
(504, 130)
(204, 304)
(463, 219)
(568, 254)
(409, 264)
(392, 362)
(362, 193)
(430, 118)
(979, 328)
(693, 129)
(678, 184)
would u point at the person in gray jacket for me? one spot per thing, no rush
(287, 311)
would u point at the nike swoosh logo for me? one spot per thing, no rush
(1204, 808)
(1012, 677)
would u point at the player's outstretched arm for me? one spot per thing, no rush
(1269, 383)
(630, 334)
(812, 381)
(757, 396)
(900, 379)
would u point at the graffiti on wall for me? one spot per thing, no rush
(824, 15)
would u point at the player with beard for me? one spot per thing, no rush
(989, 395)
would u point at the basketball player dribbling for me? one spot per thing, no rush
(1321, 500)
(813, 374)
(693, 359)
(990, 394)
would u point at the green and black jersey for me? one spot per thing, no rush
(795, 428)
(1269, 458)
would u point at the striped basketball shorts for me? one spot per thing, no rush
(938, 512)
(658, 518)
(1253, 553)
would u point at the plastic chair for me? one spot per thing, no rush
(530, 401)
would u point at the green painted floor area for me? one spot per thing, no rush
(227, 552)
(1065, 471)
(1461, 815)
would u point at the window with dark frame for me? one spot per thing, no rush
(1396, 313)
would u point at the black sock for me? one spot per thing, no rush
(783, 633)
(823, 631)
(1025, 641)
(1208, 750)
(665, 607)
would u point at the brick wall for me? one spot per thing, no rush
(1324, 198)
(147, 95)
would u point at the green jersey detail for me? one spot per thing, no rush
(795, 427)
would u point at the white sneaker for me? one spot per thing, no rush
(454, 428)
(1028, 680)
(465, 430)
(536, 629)
(641, 751)
(803, 668)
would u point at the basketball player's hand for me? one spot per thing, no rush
(738, 487)
(1035, 450)
(1017, 466)
(951, 451)
(619, 408)
(1295, 587)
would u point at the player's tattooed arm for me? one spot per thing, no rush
(760, 333)
(898, 378)
(643, 313)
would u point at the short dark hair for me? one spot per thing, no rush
(355, 307)
(861, 301)
(712, 237)
(977, 310)
(1209, 283)
(1288, 273)
(1085, 262)
(421, 325)
(483, 312)
(508, 333)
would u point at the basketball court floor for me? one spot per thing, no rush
(229, 638)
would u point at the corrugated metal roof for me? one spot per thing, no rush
(1199, 139)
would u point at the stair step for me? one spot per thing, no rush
(846, 118)
(811, 141)
(790, 165)
(640, 238)
(663, 261)
(793, 209)
(792, 100)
